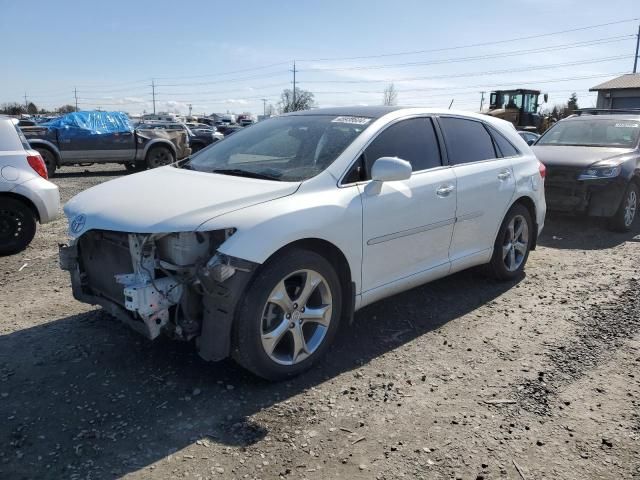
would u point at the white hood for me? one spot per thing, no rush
(166, 200)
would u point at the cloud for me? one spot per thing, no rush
(236, 101)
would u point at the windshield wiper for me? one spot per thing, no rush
(244, 173)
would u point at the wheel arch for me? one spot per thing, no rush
(159, 142)
(216, 341)
(338, 260)
(23, 200)
(43, 144)
(530, 205)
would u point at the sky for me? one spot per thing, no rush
(228, 56)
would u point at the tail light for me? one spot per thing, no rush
(37, 163)
(542, 169)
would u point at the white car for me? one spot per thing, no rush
(26, 197)
(259, 246)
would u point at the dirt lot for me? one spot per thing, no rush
(463, 378)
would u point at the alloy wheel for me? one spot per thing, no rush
(296, 317)
(159, 157)
(516, 243)
(630, 208)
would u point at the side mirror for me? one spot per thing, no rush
(531, 141)
(546, 97)
(390, 169)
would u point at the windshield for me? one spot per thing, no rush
(290, 148)
(595, 132)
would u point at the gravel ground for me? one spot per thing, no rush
(462, 378)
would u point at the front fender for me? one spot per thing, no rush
(333, 216)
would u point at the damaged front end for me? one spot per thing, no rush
(175, 283)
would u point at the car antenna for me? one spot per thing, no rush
(451, 103)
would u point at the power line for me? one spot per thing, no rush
(273, 74)
(482, 44)
(471, 74)
(226, 73)
(479, 57)
(449, 90)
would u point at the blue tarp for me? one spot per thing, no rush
(94, 121)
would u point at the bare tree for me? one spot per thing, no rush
(304, 100)
(13, 108)
(390, 95)
(67, 109)
(270, 110)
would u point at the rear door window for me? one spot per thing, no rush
(413, 140)
(466, 140)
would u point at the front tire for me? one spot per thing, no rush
(623, 219)
(513, 244)
(289, 316)
(17, 226)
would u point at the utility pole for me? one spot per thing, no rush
(153, 94)
(190, 107)
(75, 94)
(481, 100)
(26, 103)
(635, 60)
(294, 84)
(264, 107)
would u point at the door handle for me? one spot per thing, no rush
(504, 175)
(445, 190)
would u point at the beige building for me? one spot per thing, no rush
(620, 92)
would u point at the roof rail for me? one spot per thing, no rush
(607, 111)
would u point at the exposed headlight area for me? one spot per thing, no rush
(599, 172)
(156, 280)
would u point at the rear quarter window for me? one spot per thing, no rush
(11, 138)
(503, 144)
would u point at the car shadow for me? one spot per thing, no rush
(584, 233)
(84, 395)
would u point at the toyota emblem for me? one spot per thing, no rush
(78, 224)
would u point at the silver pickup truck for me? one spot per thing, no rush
(82, 138)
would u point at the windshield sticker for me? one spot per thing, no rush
(352, 120)
(626, 125)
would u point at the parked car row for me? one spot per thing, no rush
(105, 137)
(258, 247)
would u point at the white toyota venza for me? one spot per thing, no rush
(261, 244)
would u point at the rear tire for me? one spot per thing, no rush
(513, 244)
(274, 337)
(17, 226)
(49, 160)
(159, 157)
(623, 219)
